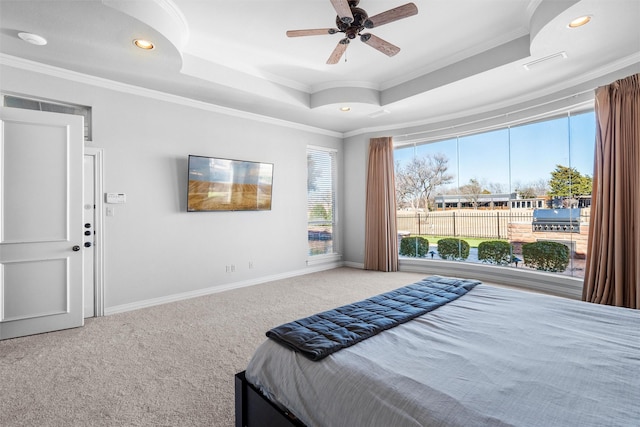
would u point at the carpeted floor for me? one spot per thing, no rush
(169, 365)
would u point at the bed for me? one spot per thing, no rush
(492, 356)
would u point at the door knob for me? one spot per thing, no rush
(87, 244)
(76, 248)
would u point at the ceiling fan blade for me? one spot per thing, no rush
(379, 44)
(312, 32)
(391, 15)
(338, 51)
(343, 10)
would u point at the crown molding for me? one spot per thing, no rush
(62, 73)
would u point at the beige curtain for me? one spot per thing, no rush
(612, 274)
(381, 236)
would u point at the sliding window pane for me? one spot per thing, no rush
(582, 144)
(482, 189)
(541, 166)
(425, 174)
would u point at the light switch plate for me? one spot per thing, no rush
(116, 198)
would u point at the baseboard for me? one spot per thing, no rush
(218, 288)
(359, 265)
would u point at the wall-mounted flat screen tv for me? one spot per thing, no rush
(217, 184)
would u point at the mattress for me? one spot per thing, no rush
(493, 357)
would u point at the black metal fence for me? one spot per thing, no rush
(483, 224)
(489, 224)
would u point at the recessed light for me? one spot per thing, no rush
(345, 109)
(143, 44)
(33, 38)
(580, 21)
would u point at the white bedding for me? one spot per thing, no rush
(494, 357)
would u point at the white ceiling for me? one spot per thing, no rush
(457, 58)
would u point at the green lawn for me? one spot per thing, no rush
(472, 241)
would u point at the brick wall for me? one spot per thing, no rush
(522, 232)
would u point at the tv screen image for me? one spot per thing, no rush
(217, 184)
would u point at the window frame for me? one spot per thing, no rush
(13, 100)
(334, 255)
(566, 286)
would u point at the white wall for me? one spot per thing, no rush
(356, 157)
(153, 248)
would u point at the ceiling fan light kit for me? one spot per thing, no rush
(352, 20)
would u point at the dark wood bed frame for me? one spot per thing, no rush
(253, 409)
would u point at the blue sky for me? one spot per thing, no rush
(531, 152)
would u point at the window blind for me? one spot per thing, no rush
(321, 206)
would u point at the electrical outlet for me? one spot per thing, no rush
(233, 268)
(228, 269)
(250, 264)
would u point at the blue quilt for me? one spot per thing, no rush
(322, 334)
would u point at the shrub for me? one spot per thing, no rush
(546, 256)
(319, 212)
(495, 252)
(451, 248)
(415, 246)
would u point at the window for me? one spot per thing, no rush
(522, 184)
(51, 106)
(321, 200)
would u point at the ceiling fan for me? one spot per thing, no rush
(352, 20)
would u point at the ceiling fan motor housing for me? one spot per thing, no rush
(352, 29)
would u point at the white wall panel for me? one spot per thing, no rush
(45, 278)
(29, 190)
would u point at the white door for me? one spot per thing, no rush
(41, 240)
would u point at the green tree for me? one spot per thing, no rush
(567, 182)
(319, 212)
(313, 172)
